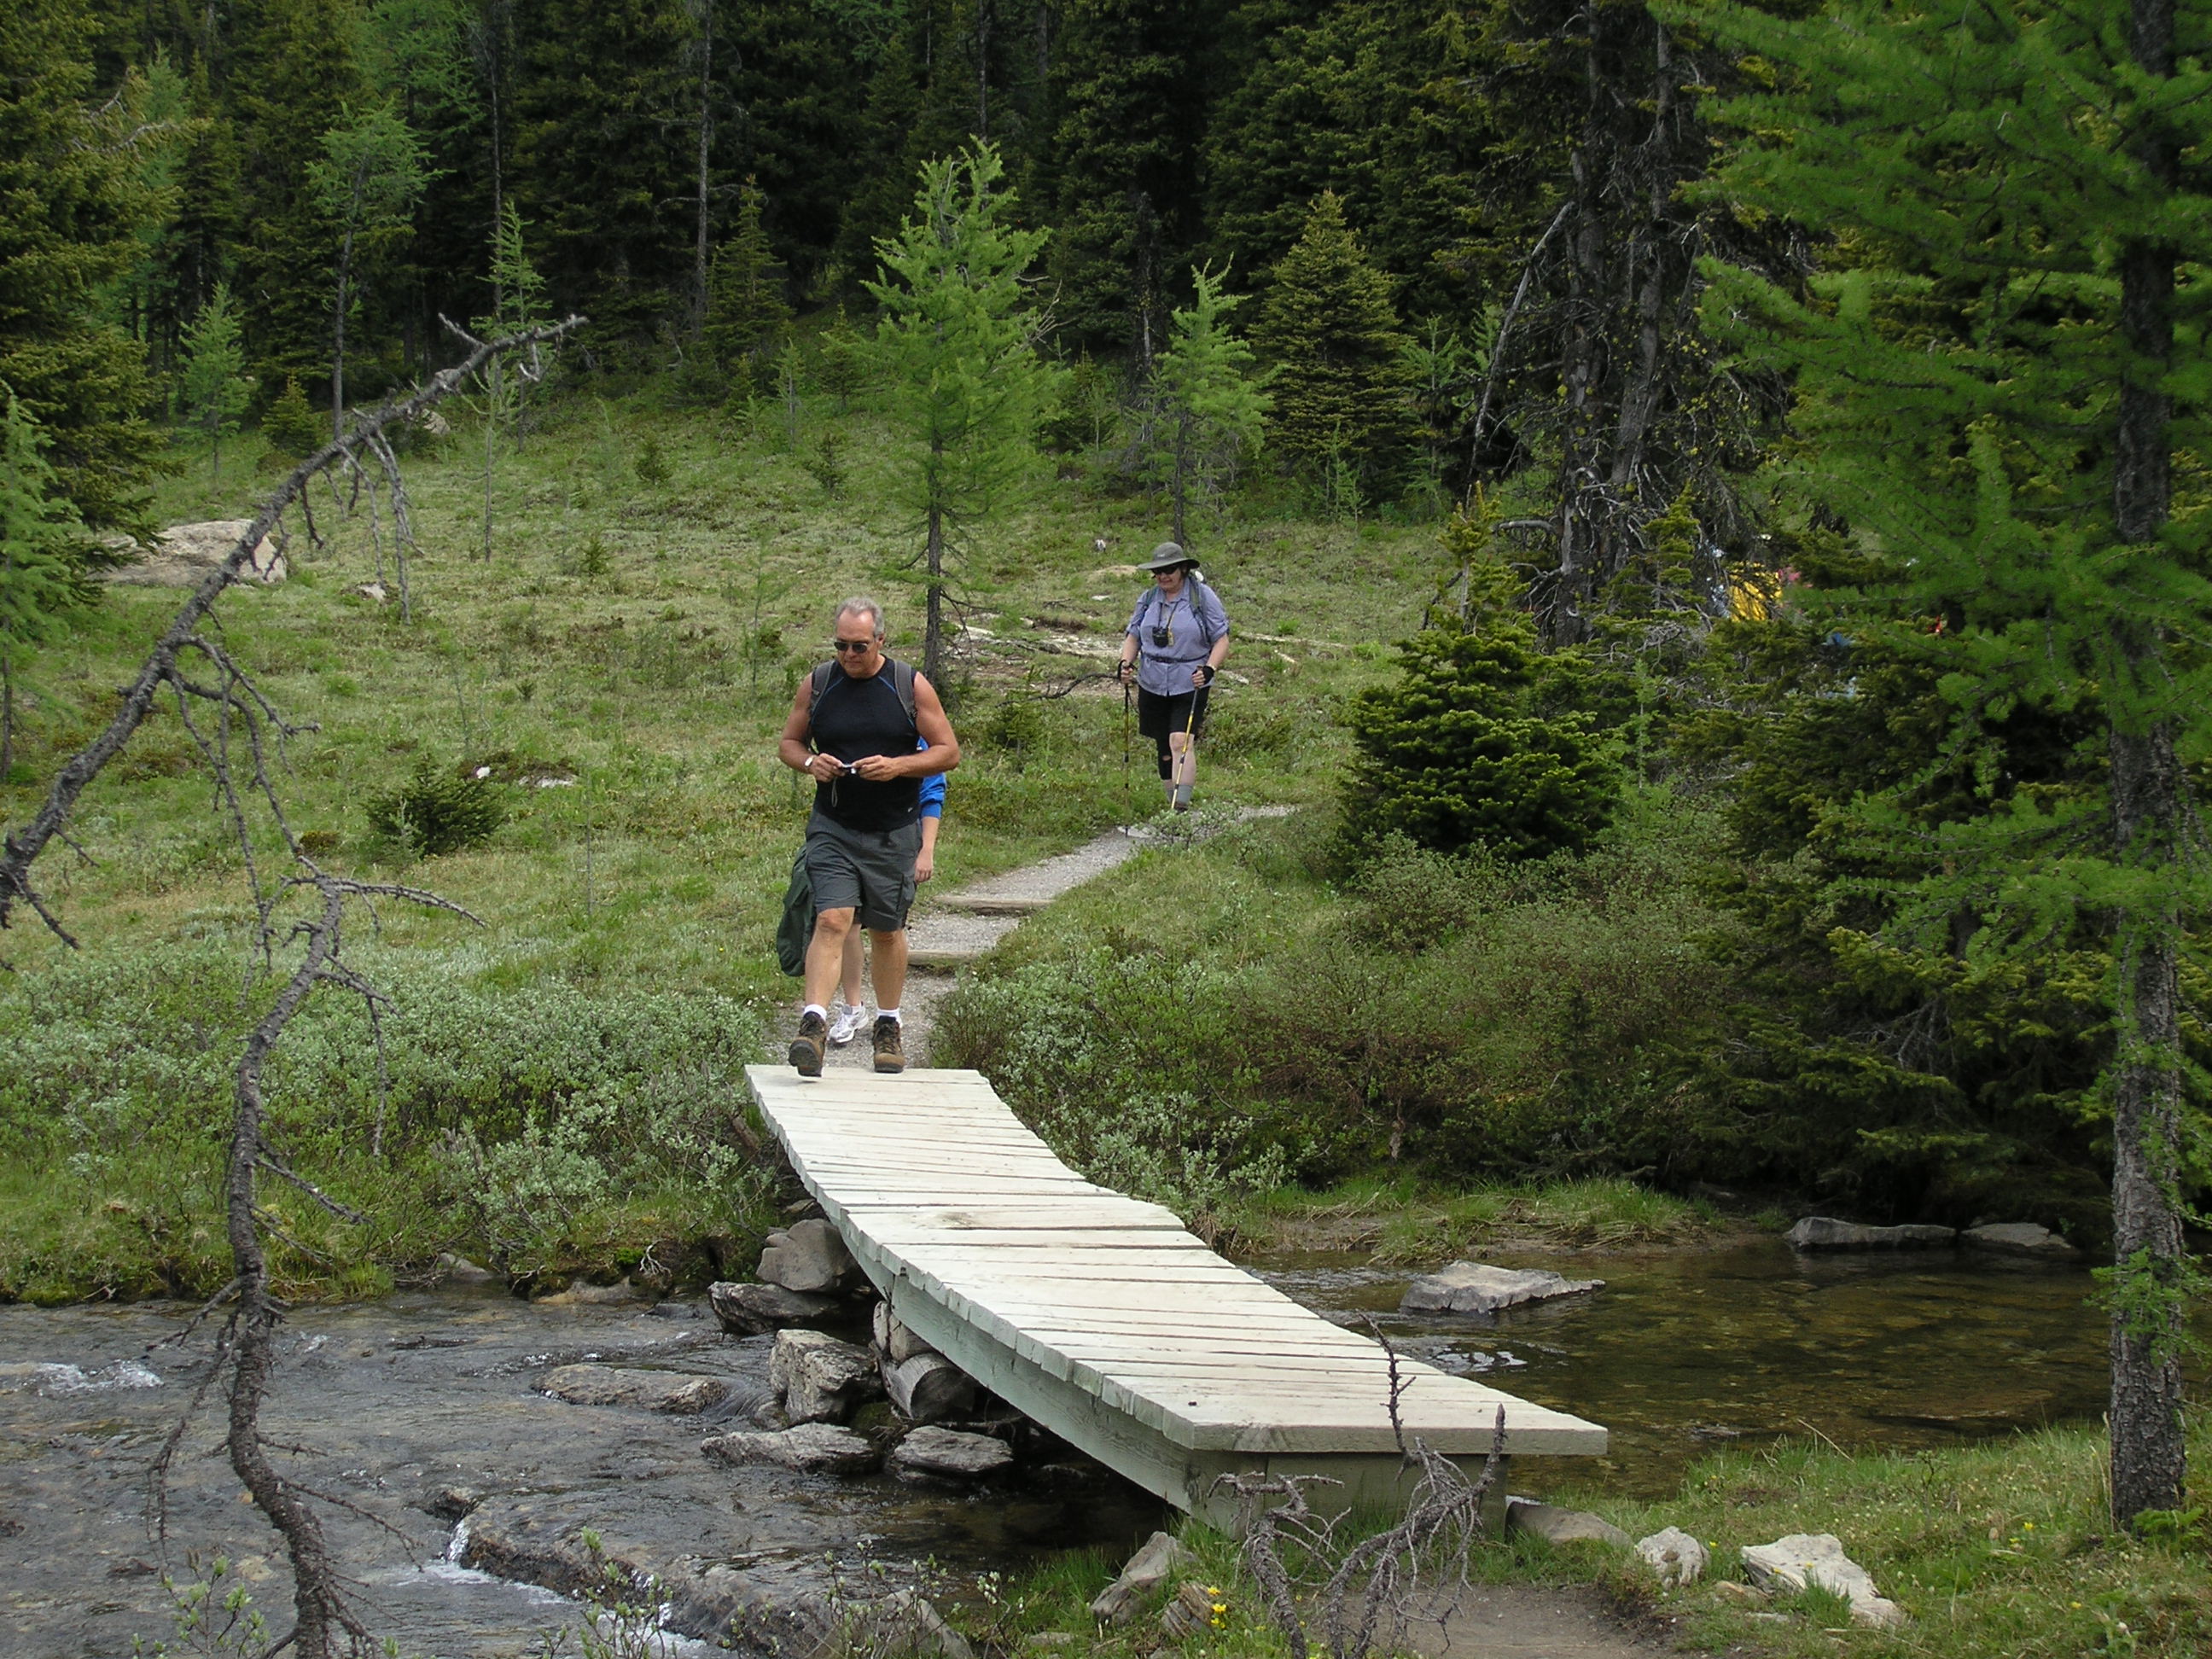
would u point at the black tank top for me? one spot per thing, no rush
(856, 719)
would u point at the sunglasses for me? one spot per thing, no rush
(853, 646)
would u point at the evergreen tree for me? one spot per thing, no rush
(604, 153)
(1209, 407)
(520, 304)
(71, 205)
(292, 67)
(290, 425)
(841, 361)
(746, 312)
(957, 346)
(1128, 103)
(1471, 747)
(1342, 392)
(40, 574)
(2000, 379)
(198, 242)
(368, 180)
(215, 387)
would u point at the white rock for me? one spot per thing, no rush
(1824, 1232)
(1144, 1573)
(1676, 1557)
(1818, 1558)
(808, 1257)
(1476, 1287)
(949, 1455)
(372, 592)
(182, 555)
(821, 1379)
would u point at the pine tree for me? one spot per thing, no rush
(1209, 406)
(841, 361)
(604, 153)
(71, 207)
(1999, 378)
(290, 426)
(957, 349)
(292, 67)
(1342, 391)
(746, 312)
(1129, 103)
(213, 383)
(518, 303)
(370, 176)
(1464, 749)
(41, 575)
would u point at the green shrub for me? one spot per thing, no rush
(537, 1129)
(292, 427)
(438, 811)
(1465, 749)
(652, 466)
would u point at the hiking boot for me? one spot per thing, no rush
(847, 1026)
(807, 1048)
(891, 1046)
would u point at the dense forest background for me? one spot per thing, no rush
(1593, 289)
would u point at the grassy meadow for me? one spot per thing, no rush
(659, 579)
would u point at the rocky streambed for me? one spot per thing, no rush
(473, 1486)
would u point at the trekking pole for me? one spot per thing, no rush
(1125, 755)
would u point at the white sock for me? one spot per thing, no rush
(814, 1008)
(886, 1013)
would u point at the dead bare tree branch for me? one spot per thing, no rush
(239, 732)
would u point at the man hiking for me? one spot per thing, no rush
(854, 727)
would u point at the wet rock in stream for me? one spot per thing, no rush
(821, 1378)
(757, 1309)
(809, 1449)
(675, 1392)
(428, 1410)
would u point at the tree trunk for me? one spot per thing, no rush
(337, 334)
(492, 402)
(2151, 829)
(706, 143)
(933, 638)
(7, 714)
(983, 69)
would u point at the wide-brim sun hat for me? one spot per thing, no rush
(1168, 555)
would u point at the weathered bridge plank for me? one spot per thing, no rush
(1100, 1315)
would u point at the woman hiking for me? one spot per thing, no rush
(1177, 641)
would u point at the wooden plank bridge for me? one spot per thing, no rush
(1099, 1317)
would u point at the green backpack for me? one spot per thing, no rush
(795, 931)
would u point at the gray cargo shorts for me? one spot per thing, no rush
(870, 870)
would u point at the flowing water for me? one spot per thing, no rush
(1682, 1351)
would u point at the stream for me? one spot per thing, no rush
(419, 1407)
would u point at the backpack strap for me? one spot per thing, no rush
(901, 681)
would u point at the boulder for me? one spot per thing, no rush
(182, 555)
(448, 1503)
(1563, 1526)
(2020, 1238)
(579, 1294)
(1822, 1232)
(756, 1309)
(928, 1388)
(1676, 1557)
(1817, 1558)
(894, 1339)
(459, 1270)
(808, 1257)
(949, 1455)
(1476, 1287)
(1144, 1573)
(809, 1449)
(821, 1379)
(675, 1392)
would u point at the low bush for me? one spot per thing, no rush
(438, 811)
(540, 1130)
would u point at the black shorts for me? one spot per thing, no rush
(1157, 716)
